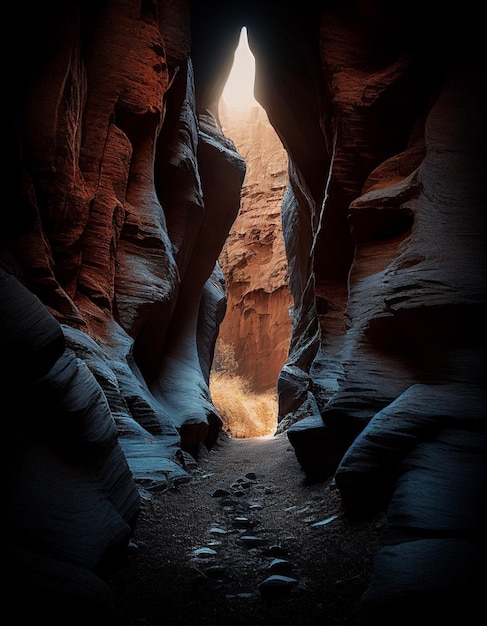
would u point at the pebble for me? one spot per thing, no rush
(276, 550)
(280, 566)
(325, 521)
(219, 493)
(229, 502)
(216, 571)
(251, 541)
(202, 552)
(235, 500)
(242, 522)
(277, 584)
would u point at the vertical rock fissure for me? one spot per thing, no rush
(254, 335)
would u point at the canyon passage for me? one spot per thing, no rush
(123, 190)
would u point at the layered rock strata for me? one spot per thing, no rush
(122, 190)
(257, 325)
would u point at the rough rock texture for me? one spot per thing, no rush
(122, 189)
(257, 323)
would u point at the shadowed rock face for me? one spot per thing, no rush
(122, 191)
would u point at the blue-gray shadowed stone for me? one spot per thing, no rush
(277, 585)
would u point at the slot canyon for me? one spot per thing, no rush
(338, 253)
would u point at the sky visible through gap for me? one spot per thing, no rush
(246, 403)
(239, 88)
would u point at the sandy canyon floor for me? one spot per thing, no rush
(247, 541)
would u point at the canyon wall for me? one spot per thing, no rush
(122, 191)
(257, 325)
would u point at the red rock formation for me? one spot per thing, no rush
(120, 247)
(123, 189)
(257, 323)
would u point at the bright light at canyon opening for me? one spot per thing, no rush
(239, 89)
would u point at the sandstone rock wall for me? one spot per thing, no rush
(257, 324)
(121, 201)
(122, 190)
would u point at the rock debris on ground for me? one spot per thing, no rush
(247, 541)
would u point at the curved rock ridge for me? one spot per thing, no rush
(71, 499)
(123, 190)
(124, 198)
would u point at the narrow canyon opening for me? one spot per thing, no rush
(254, 336)
(121, 499)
